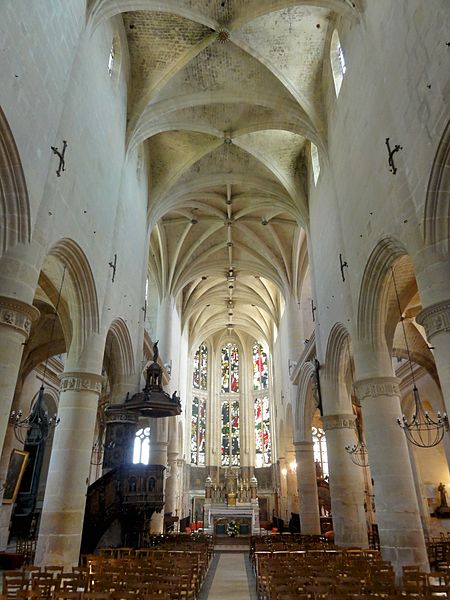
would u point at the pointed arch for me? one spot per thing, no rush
(437, 203)
(86, 313)
(337, 352)
(370, 323)
(122, 355)
(305, 404)
(15, 219)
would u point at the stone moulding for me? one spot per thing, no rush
(338, 422)
(81, 382)
(17, 314)
(378, 386)
(435, 318)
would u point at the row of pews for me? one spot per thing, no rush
(173, 568)
(308, 567)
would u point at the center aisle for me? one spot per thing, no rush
(230, 578)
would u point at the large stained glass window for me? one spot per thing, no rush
(230, 433)
(260, 368)
(263, 445)
(198, 415)
(230, 368)
(262, 432)
(199, 379)
(198, 431)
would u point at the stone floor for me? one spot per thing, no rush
(230, 577)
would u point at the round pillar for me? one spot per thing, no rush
(158, 456)
(436, 320)
(15, 325)
(65, 496)
(307, 488)
(346, 483)
(399, 525)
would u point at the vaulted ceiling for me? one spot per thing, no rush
(227, 95)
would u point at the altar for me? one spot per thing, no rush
(242, 515)
(232, 499)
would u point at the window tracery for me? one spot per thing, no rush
(198, 413)
(141, 452)
(338, 65)
(263, 445)
(320, 451)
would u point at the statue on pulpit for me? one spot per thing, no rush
(442, 495)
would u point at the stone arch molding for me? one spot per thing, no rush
(85, 313)
(122, 347)
(15, 219)
(370, 322)
(437, 203)
(337, 350)
(305, 404)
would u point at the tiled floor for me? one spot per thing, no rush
(230, 578)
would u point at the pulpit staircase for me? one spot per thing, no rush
(129, 494)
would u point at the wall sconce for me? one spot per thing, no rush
(293, 466)
(284, 471)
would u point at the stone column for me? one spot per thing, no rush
(436, 320)
(65, 496)
(399, 524)
(15, 325)
(307, 488)
(158, 456)
(171, 484)
(292, 492)
(346, 483)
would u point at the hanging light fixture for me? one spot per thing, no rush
(358, 452)
(421, 430)
(36, 427)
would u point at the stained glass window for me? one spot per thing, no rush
(200, 377)
(141, 452)
(263, 445)
(230, 433)
(230, 368)
(198, 418)
(198, 431)
(320, 451)
(260, 368)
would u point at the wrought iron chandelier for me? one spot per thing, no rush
(421, 429)
(35, 428)
(358, 452)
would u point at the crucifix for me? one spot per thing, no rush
(343, 265)
(113, 266)
(313, 310)
(60, 155)
(391, 153)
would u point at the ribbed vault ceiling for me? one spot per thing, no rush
(227, 94)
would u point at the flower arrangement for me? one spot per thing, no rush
(232, 528)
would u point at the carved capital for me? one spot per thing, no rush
(435, 318)
(81, 382)
(17, 314)
(338, 422)
(377, 386)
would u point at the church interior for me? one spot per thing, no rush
(225, 297)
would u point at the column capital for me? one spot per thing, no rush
(80, 381)
(435, 318)
(346, 421)
(377, 386)
(17, 314)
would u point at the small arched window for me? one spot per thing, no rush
(141, 453)
(315, 163)
(337, 58)
(111, 58)
(320, 451)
